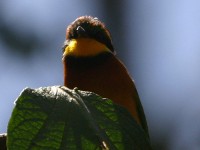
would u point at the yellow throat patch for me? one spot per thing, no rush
(84, 47)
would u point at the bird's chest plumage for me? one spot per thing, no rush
(104, 75)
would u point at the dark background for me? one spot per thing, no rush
(159, 42)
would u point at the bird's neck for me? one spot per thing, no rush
(84, 47)
(87, 62)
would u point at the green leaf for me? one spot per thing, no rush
(53, 118)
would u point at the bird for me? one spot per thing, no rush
(90, 64)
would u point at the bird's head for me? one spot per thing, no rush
(87, 36)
